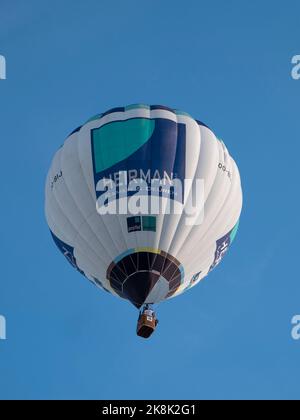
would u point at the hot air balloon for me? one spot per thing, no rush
(144, 201)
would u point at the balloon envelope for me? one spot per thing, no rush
(144, 201)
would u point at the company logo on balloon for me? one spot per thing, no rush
(144, 148)
(67, 251)
(223, 245)
(140, 167)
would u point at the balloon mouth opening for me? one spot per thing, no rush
(145, 276)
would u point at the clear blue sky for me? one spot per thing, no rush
(226, 63)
